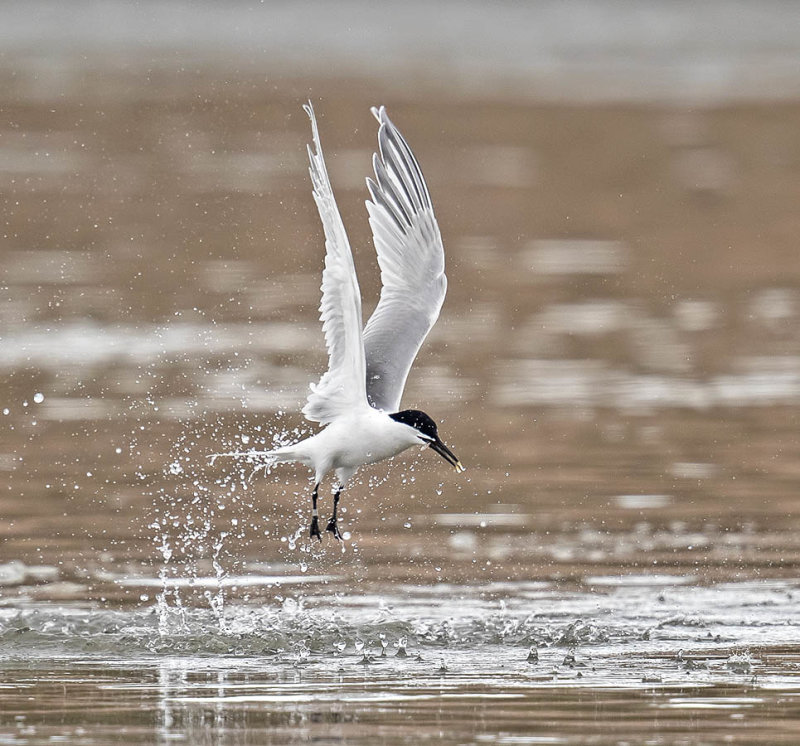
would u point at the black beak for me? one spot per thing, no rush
(447, 455)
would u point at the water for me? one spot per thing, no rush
(617, 364)
(657, 649)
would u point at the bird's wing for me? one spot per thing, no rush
(411, 258)
(342, 387)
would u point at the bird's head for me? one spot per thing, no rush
(427, 433)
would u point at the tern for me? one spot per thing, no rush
(358, 398)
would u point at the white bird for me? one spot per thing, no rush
(358, 398)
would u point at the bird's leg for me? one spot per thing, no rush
(332, 527)
(314, 531)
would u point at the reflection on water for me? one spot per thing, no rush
(617, 363)
(521, 653)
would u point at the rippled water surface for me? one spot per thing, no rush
(617, 364)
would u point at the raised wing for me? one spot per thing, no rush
(411, 258)
(342, 387)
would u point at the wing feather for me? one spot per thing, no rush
(342, 387)
(411, 259)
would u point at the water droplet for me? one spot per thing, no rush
(291, 607)
(38, 397)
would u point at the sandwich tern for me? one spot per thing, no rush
(358, 398)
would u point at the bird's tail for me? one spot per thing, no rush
(285, 454)
(275, 456)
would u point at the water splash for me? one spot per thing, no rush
(200, 518)
(216, 600)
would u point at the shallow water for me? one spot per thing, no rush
(493, 663)
(617, 364)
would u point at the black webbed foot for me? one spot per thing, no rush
(314, 530)
(334, 529)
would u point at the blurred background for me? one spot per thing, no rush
(617, 361)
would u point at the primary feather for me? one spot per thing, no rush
(411, 258)
(342, 388)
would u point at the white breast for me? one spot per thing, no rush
(363, 438)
